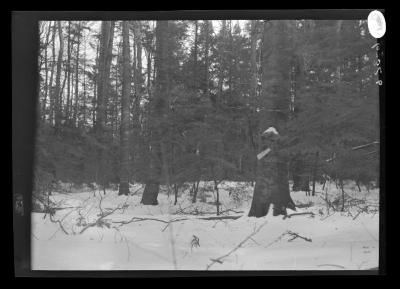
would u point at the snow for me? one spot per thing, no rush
(270, 130)
(339, 240)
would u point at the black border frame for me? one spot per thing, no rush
(24, 81)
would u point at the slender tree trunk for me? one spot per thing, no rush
(253, 63)
(43, 115)
(126, 88)
(195, 81)
(52, 97)
(75, 117)
(57, 93)
(95, 85)
(315, 168)
(68, 71)
(222, 60)
(230, 82)
(217, 193)
(148, 72)
(206, 52)
(138, 77)
(343, 193)
(84, 83)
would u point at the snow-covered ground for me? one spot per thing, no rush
(332, 240)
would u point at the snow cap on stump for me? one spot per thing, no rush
(270, 131)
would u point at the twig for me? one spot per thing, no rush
(327, 216)
(296, 235)
(100, 219)
(219, 259)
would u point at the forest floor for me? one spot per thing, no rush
(93, 231)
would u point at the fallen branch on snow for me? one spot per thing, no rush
(296, 235)
(219, 259)
(333, 265)
(298, 214)
(138, 219)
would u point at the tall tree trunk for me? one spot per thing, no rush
(195, 56)
(253, 63)
(158, 108)
(206, 57)
(43, 112)
(148, 72)
(138, 76)
(95, 85)
(272, 182)
(57, 94)
(105, 57)
(75, 116)
(53, 40)
(222, 55)
(84, 83)
(230, 82)
(68, 71)
(126, 89)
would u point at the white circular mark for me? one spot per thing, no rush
(376, 24)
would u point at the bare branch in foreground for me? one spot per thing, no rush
(219, 259)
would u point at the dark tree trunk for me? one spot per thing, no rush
(358, 185)
(300, 175)
(138, 84)
(176, 187)
(68, 71)
(272, 182)
(158, 108)
(150, 193)
(272, 187)
(217, 192)
(195, 189)
(206, 57)
(222, 56)
(84, 84)
(343, 193)
(126, 88)
(314, 175)
(105, 57)
(95, 84)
